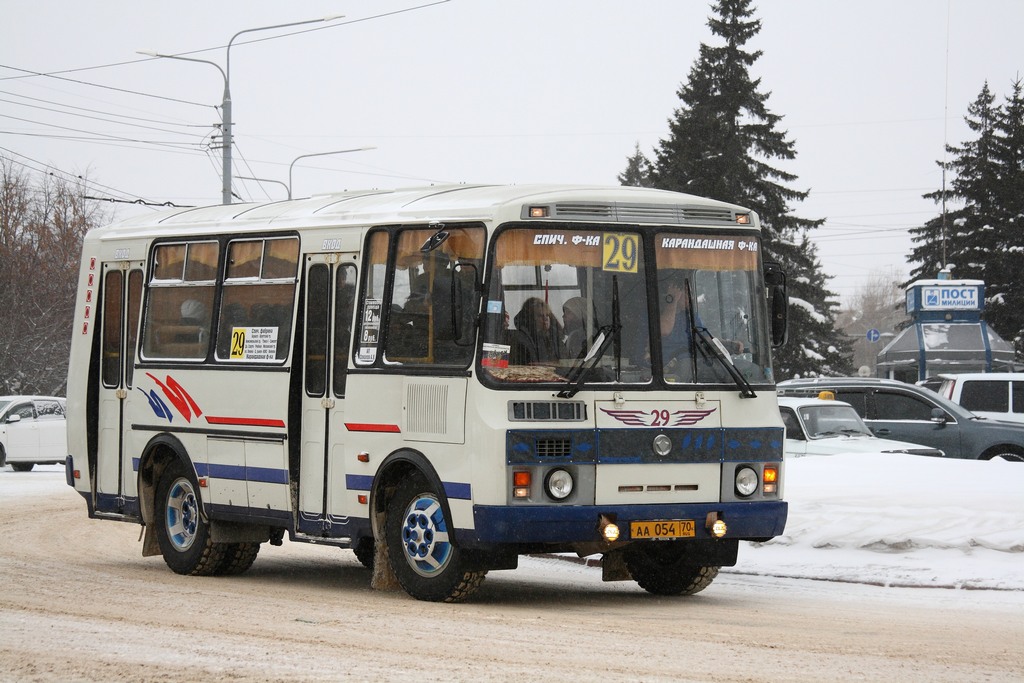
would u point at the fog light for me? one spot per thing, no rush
(608, 529)
(715, 526)
(559, 484)
(746, 481)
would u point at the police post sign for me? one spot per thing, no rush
(953, 296)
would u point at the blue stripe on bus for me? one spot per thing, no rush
(456, 490)
(265, 475)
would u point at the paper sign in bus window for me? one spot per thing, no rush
(254, 343)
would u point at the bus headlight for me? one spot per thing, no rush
(559, 484)
(746, 481)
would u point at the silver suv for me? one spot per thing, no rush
(33, 431)
(906, 412)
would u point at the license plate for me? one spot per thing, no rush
(662, 528)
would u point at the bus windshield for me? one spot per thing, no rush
(555, 292)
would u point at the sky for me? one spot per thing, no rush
(881, 519)
(490, 91)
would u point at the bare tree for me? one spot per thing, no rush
(41, 229)
(879, 305)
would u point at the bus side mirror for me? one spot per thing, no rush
(778, 303)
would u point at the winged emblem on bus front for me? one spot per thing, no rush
(659, 417)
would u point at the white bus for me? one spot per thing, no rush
(441, 379)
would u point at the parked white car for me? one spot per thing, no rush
(33, 431)
(995, 395)
(823, 426)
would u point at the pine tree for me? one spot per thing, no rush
(1004, 309)
(983, 237)
(638, 170)
(721, 141)
(960, 237)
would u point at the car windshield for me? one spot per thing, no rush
(554, 291)
(832, 420)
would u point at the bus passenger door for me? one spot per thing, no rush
(330, 285)
(121, 294)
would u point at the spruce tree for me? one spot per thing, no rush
(638, 170)
(1005, 302)
(722, 140)
(982, 237)
(959, 236)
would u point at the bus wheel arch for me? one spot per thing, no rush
(157, 456)
(414, 533)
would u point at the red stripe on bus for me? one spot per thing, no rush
(367, 427)
(244, 421)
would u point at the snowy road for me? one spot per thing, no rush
(78, 602)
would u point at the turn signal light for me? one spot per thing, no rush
(521, 484)
(769, 479)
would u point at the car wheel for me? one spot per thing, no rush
(23, 466)
(182, 532)
(423, 556)
(661, 568)
(3, 456)
(1007, 455)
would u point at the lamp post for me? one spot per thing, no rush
(319, 154)
(227, 135)
(265, 180)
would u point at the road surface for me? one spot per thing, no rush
(79, 602)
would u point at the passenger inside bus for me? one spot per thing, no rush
(537, 335)
(579, 326)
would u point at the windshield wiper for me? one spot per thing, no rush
(715, 347)
(578, 372)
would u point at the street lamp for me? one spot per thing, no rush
(265, 180)
(226, 100)
(319, 154)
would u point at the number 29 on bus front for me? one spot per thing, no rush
(620, 253)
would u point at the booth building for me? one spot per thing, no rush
(946, 334)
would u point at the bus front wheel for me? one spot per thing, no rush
(661, 568)
(182, 531)
(423, 556)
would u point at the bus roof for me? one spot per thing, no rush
(443, 202)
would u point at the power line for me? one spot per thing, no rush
(96, 111)
(105, 87)
(93, 118)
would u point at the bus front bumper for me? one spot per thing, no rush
(495, 524)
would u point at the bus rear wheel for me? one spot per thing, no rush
(182, 532)
(662, 568)
(423, 556)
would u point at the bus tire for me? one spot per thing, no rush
(238, 557)
(181, 531)
(426, 562)
(364, 551)
(661, 568)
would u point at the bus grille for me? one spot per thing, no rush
(665, 214)
(427, 408)
(554, 448)
(543, 411)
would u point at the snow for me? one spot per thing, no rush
(883, 519)
(898, 520)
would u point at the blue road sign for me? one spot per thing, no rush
(874, 335)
